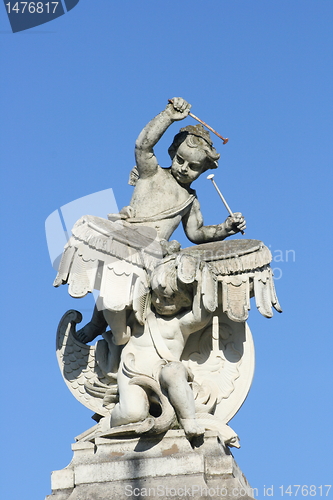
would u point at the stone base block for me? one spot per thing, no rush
(149, 468)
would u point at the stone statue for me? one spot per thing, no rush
(178, 352)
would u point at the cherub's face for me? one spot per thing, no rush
(168, 303)
(188, 163)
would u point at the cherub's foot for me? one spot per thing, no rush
(89, 332)
(192, 427)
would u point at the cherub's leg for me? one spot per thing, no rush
(117, 323)
(133, 403)
(96, 326)
(174, 379)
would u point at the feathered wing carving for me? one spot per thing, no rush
(222, 375)
(220, 357)
(80, 370)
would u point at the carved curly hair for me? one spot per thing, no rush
(196, 136)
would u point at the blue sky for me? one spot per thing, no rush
(76, 92)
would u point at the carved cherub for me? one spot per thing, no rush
(155, 350)
(163, 197)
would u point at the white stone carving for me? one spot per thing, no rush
(178, 352)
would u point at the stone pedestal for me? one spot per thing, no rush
(151, 467)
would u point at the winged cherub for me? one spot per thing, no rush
(155, 350)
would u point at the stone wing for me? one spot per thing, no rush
(79, 369)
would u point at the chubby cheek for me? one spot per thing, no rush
(175, 169)
(194, 175)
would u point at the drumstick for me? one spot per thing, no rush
(211, 178)
(205, 124)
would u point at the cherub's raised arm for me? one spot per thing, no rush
(146, 160)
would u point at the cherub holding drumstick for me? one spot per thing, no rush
(163, 197)
(160, 191)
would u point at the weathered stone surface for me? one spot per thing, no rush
(178, 353)
(62, 479)
(151, 467)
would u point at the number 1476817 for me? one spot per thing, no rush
(32, 7)
(304, 490)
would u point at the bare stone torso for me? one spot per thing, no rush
(156, 194)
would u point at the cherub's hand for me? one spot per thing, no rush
(178, 108)
(236, 223)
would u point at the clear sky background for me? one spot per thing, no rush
(76, 92)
